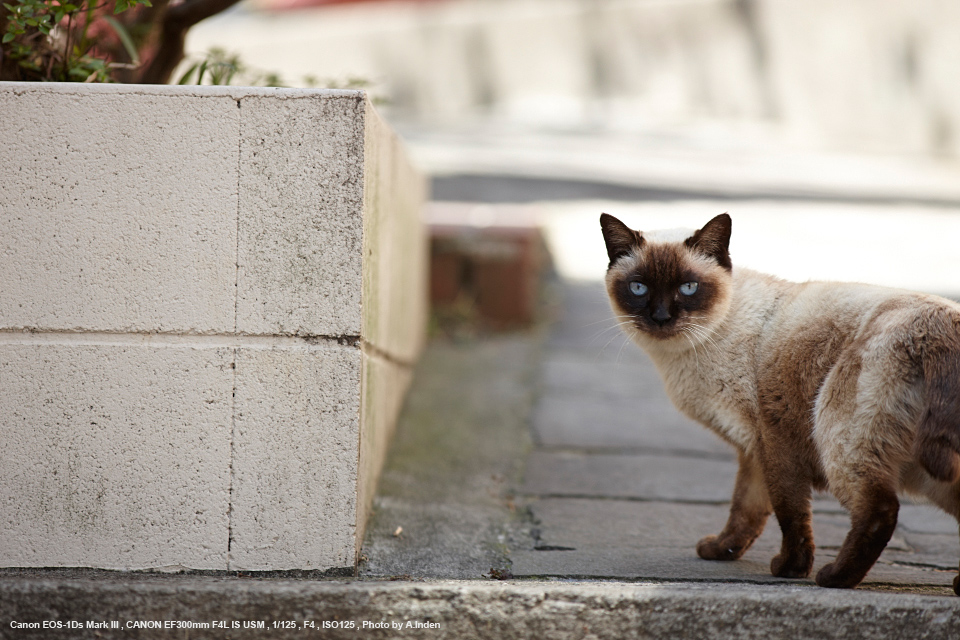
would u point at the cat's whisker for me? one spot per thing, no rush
(608, 342)
(590, 324)
(601, 332)
(703, 335)
(696, 356)
(620, 352)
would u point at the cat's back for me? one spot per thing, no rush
(814, 325)
(814, 318)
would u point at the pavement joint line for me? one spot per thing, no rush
(599, 498)
(628, 452)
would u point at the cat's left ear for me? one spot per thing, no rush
(714, 240)
(620, 238)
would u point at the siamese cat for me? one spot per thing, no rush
(850, 388)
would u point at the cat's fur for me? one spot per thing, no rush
(847, 387)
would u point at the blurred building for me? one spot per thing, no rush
(860, 74)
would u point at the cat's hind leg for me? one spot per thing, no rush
(864, 419)
(749, 510)
(873, 518)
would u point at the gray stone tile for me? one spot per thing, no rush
(586, 324)
(569, 420)
(925, 518)
(630, 539)
(650, 477)
(566, 371)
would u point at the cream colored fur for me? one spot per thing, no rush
(816, 384)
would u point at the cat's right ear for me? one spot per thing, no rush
(620, 239)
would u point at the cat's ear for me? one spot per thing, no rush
(620, 238)
(714, 240)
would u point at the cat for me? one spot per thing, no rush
(822, 385)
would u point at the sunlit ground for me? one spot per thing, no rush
(900, 246)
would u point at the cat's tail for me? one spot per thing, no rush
(937, 445)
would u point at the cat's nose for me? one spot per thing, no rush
(660, 315)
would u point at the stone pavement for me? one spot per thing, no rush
(621, 485)
(617, 484)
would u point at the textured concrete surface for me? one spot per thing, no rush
(296, 432)
(136, 236)
(468, 610)
(300, 258)
(116, 455)
(213, 299)
(447, 487)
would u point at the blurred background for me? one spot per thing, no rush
(829, 129)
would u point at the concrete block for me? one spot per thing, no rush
(118, 213)
(297, 428)
(215, 300)
(117, 454)
(300, 258)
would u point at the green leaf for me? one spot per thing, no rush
(125, 39)
(122, 5)
(7, 37)
(185, 78)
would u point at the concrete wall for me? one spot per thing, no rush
(202, 352)
(859, 74)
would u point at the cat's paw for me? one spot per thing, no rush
(832, 578)
(795, 565)
(712, 548)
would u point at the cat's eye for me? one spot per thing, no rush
(689, 288)
(638, 288)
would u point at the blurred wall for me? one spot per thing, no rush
(863, 74)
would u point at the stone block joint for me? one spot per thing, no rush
(200, 372)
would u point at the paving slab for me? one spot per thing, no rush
(585, 323)
(656, 540)
(566, 420)
(571, 371)
(924, 518)
(641, 477)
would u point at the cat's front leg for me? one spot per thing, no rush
(749, 510)
(789, 489)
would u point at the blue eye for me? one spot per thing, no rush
(638, 288)
(689, 288)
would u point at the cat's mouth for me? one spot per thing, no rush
(660, 329)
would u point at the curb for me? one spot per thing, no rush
(191, 606)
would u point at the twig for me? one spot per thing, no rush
(174, 25)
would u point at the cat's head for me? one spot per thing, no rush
(667, 286)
